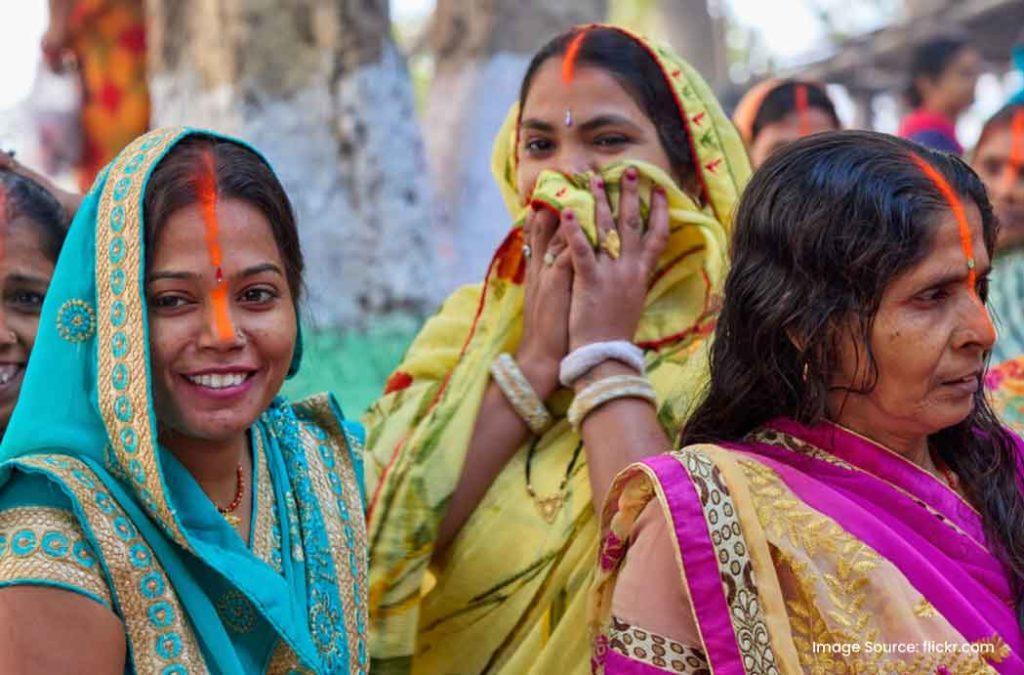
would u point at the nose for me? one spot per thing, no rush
(219, 330)
(574, 158)
(978, 328)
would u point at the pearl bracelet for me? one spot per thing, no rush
(520, 395)
(583, 359)
(608, 389)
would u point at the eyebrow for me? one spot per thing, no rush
(956, 277)
(247, 272)
(590, 125)
(27, 279)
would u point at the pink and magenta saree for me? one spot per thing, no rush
(807, 550)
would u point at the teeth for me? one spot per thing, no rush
(218, 380)
(8, 372)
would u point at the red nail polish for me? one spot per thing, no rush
(536, 206)
(631, 173)
(569, 215)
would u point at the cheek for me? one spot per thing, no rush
(526, 177)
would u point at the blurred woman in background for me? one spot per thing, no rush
(775, 112)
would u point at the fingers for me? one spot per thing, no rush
(656, 239)
(603, 218)
(583, 260)
(630, 221)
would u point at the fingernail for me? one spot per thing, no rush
(658, 190)
(536, 206)
(600, 183)
(631, 173)
(568, 214)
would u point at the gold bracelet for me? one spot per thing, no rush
(608, 389)
(520, 394)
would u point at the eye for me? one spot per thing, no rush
(29, 300)
(536, 146)
(982, 288)
(611, 140)
(933, 295)
(258, 295)
(169, 301)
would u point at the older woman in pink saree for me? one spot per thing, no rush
(845, 500)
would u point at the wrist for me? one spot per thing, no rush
(540, 372)
(601, 371)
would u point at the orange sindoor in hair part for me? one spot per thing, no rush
(207, 191)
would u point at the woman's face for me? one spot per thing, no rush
(929, 340)
(775, 136)
(1005, 190)
(953, 90)
(25, 273)
(607, 125)
(206, 386)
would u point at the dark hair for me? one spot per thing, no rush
(1002, 117)
(25, 198)
(241, 174)
(930, 59)
(632, 65)
(822, 229)
(781, 102)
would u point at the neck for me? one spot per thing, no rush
(911, 446)
(213, 463)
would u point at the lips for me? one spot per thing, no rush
(9, 372)
(219, 380)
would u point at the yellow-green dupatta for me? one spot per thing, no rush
(511, 594)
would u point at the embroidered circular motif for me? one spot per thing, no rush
(236, 612)
(55, 544)
(117, 218)
(83, 555)
(118, 313)
(76, 321)
(117, 280)
(119, 345)
(152, 585)
(138, 555)
(129, 439)
(168, 645)
(161, 614)
(136, 162)
(123, 408)
(121, 188)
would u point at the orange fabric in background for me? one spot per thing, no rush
(108, 38)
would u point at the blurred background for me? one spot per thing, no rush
(379, 116)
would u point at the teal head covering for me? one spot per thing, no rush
(85, 421)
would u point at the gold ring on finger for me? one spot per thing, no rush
(527, 251)
(612, 244)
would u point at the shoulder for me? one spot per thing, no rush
(322, 417)
(42, 541)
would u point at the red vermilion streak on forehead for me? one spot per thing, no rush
(572, 52)
(802, 110)
(206, 189)
(1013, 164)
(957, 206)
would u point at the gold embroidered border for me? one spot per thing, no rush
(342, 550)
(266, 515)
(283, 661)
(52, 548)
(734, 564)
(159, 634)
(121, 323)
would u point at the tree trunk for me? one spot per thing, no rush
(320, 88)
(480, 50)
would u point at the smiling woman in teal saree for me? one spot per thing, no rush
(150, 403)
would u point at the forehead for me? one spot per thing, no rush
(815, 119)
(996, 141)
(591, 91)
(243, 231)
(946, 253)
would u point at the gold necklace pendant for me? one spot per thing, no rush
(233, 520)
(550, 506)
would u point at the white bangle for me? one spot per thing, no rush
(583, 359)
(608, 389)
(520, 395)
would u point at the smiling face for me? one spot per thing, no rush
(206, 386)
(928, 340)
(25, 273)
(607, 125)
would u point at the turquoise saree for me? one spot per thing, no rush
(91, 503)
